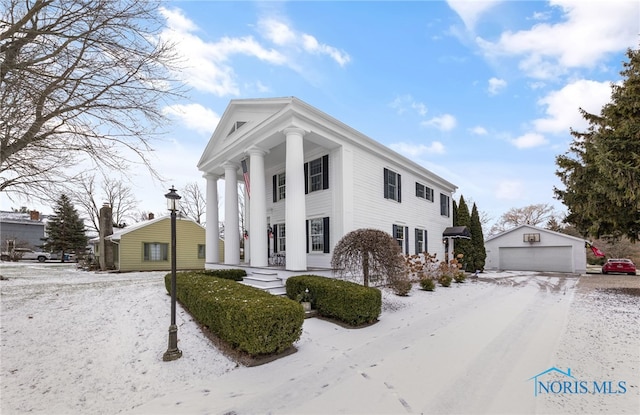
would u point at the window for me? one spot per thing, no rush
(318, 235)
(421, 241)
(156, 252)
(444, 205)
(279, 186)
(281, 235)
(316, 174)
(424, 192)
(201, 251)
(392, 185)
(398, 234)
(235, 126)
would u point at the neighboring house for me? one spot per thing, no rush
(146, 246)
(25, 230)
(529, 248)
(312, 180)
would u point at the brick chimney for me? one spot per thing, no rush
(151, 216)
(34, 215)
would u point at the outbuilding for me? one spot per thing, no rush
(529, 248)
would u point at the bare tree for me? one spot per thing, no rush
(79, 79)
(193, 203)
(91, 197)
(530, 215)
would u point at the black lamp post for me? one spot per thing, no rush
(173, 353)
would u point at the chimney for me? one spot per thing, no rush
(151, 216)
(34, 215)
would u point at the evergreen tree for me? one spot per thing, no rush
(601, 170)
(477, 240)
(464, 246)
(65, 229)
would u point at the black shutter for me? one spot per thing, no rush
(306, 225)
(386, 188)
(415, 242)
(325, 172)
(275, 188)
(394, 232)
(406, 240)
(275, 238)
(325, 234)
(399, 190)
(306, 178)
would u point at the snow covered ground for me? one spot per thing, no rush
(74, 342)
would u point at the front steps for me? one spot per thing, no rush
(266, 280)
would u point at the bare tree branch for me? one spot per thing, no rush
(79, 79)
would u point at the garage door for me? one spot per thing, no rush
(541, 258)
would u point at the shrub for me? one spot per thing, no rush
(459, 277)
(366, 253)
(249, 319)
(227, 274)
(348, 302)
(445, 280)
(427, 284)
(401, 285)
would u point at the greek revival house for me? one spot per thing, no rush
(312, 179)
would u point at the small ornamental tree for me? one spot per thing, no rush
(65, 229)
(368, 253)
(477, 241)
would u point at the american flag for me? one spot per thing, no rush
(245, 174)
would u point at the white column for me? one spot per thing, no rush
(258, 209)
(231, 220)
(296, 214)
(212, 218)
(247, 226)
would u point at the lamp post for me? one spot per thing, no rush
(173, 353)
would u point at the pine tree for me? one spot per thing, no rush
(477, 240)
(601, 170)
(464, 246)
(65, 229)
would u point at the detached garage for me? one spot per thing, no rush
(529, 248)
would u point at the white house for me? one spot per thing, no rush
(529, 248)
(312, 180)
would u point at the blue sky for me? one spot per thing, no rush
(481, 93)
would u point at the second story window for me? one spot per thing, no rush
(392, 185)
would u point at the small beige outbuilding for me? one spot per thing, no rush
(529, 248)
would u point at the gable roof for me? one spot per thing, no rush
(264, 119)
(534, 228)
(117, 234)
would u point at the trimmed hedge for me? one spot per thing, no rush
(227, 274)
(346, 301)
(249, 319)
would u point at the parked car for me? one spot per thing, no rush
(622, 266)
(27, 254)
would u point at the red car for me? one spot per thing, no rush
(622, 266)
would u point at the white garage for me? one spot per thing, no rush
(529, 248)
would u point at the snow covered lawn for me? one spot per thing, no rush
(74, 342)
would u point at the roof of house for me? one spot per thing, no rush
(117, 233)
(250, 122)
(535, 228)
(22, 218)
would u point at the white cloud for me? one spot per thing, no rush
(587, 33)
(479, 130)
(562, 106)
(496, 85)
(471, 11)
(446, 122)
(417, 150)
(509, 190)
(281, 34)
(529, 140)
(405, 102)
(194, 116)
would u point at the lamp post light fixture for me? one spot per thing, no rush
(173, 353)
